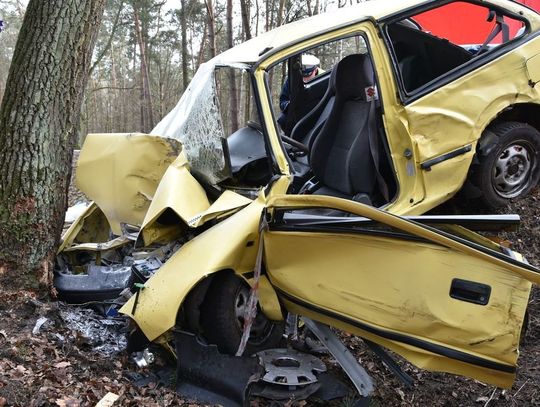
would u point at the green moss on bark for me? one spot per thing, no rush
(39, 116)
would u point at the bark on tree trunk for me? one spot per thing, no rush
(200, 58)
(232, 79)
(39, 121)
(245, 19)
(211, 28)
(147, 119)
(183, 28)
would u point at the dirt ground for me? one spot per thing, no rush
(56, 365)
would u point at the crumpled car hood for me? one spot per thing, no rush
(135, 178)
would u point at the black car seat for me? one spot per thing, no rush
(344, 154)
(309, 126)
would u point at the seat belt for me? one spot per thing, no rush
(374, 150)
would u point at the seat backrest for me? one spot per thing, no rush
(309, 126)
(340, 156)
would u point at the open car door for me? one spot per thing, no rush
(446, 299)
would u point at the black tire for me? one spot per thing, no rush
(222, 323)
(511, 168)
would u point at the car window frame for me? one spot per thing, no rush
(317, 78)
(303, 44)
(407, 97)
(326, 73)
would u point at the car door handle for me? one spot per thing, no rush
(470, 291)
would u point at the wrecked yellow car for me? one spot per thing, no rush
(221, 222)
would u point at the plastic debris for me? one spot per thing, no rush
(38, 325)
(108, 400)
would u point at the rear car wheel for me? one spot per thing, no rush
(222, 318)
(510, 169)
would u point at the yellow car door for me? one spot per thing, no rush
(448, 300)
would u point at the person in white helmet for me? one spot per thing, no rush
(310, 69)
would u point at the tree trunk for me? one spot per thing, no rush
(267, 16)
(245, 19)
(200, 57)
(232, 79)
(211, 28)
(39, 120)
(280, 13)
(183, 28)
(257, 15)
(147, 119)
(112, 34)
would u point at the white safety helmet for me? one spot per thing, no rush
(309, 64)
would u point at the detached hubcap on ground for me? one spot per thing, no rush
(512, 170)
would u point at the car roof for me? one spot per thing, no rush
(258, 48)
(252, 50)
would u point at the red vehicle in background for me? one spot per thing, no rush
(467, 24)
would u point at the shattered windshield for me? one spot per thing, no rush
(197, 121)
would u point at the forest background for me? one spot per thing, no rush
(148, 51)
(146, 54)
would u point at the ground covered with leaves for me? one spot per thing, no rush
(49, 357)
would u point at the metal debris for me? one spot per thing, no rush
(144, 358)
(210, 377)
(73, 212)
(290, 368)
(104, 335)
(358, 375)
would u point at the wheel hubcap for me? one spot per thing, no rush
(261, 327)
(512, 170)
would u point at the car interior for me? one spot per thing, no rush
(336, 141)
(333, 131)
(430, 44)
(422, 57)
(344, 138)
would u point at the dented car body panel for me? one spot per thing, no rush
(482, 96)
(443, 297)
(204, 255)
(163, 295)
(129, 168)
(403, 301)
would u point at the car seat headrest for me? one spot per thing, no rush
(355, 78)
